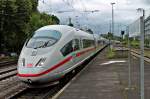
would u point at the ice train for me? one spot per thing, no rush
(53, 51)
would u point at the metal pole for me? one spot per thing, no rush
(142, 55)
(110, 27)
(109, 35)
(129, 59)
(112, 23)
(112, 19)
(142, 32)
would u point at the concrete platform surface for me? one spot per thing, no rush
(107, 78)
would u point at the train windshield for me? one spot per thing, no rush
(43, 38)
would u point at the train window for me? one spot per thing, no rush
(44, 38)
(88, 43)
(48, 33)
(76, 45)
(40, 42)
(67, 49)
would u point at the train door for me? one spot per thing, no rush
(67, 51)
(76, 49)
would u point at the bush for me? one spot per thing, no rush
(111, 53)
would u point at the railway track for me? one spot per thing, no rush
(10, 87)
(16, 89)
(36, 93)
(39, 93)
(6, 63)
(139, 53)
(45, 92)
(8, 73)
(135, 53)
(8, 69)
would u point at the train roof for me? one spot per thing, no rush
(64, 29)
(56, 27)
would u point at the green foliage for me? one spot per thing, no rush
(111, 53)
(90, 31)
(135, 43)
(34, 5)
(125, 41)
(104, 36)
(18, 20)
(108, 36)
(147, 43)
(38, 20)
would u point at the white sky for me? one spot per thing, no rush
(124, 12)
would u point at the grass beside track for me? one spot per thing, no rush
(111, 54)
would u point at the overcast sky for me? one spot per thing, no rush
(124, 12)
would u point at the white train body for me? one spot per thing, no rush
(53, 51)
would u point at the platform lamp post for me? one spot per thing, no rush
(129, 59)
(142, 30)
(112, 21)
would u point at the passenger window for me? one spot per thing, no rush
(67, 49)
(88, 43)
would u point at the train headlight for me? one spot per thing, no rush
(40, 62)
(22, 62)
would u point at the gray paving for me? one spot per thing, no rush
(108, 79)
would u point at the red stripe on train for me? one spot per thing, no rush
(82, 52)
(49, 70)
(55, 66)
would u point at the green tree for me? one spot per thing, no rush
(90, 31)
(34, 5)
(110, 36)
(38, 20)
(7, 10)
(18, 19)
(147, 42)
(22, 17)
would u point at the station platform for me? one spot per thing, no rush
(105, 78)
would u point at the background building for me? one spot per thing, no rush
(147, 28)
(147, 32)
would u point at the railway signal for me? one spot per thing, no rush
(122, 33)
